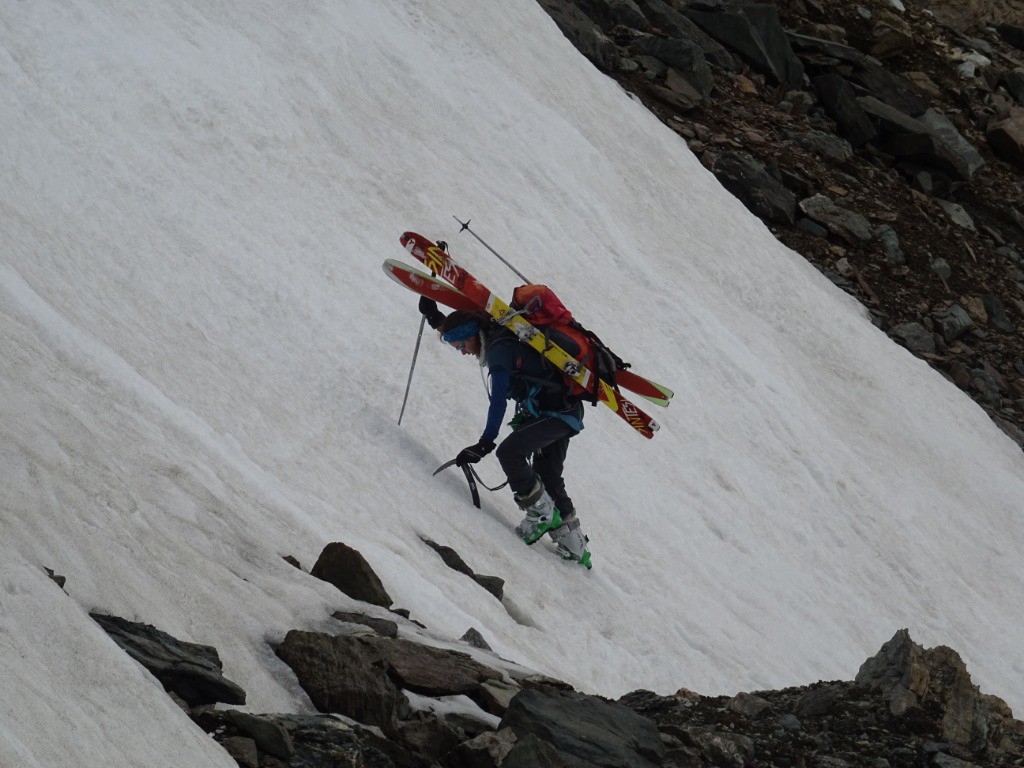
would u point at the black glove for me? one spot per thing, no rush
(428, 308)
(474, 453)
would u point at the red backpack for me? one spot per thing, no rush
(539, 305)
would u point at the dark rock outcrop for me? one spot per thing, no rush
(192, 672)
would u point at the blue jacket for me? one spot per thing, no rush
(520, 373)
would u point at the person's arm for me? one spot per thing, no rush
(495, 415)
(499, 398)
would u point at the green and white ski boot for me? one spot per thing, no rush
(541, 514)
(571, 543)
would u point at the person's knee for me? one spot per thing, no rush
(508, 453)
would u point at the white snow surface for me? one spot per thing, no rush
(202, 365)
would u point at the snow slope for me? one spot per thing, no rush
(201, 367)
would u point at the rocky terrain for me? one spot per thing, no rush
(388, 694)
(882, 140)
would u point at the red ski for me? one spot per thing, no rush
(483, 298)
(425, 285)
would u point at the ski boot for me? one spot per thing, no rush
(571, 543)
(541, 514)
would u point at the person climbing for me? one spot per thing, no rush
(547, 416)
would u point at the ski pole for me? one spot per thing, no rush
(415, 354)
(465, 227)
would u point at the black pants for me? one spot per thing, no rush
(547, 440)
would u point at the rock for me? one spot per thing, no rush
(844, 223)
(348, 570)
(267, 735)
(727, 750)
(748, 704)
(488, 750)
(191, 671)
(450, 556)
(243, 751)
(360, 676)
(597, 732)
(684, 56)
(493, 584)
(756, 34)
(583, 33)
(60, 581)
(342, 674)
(890, 245)
(496, 695)
(674, 24)
(914, 337)
(475, 639)
(818, 702)
(1006, 137)
(956, 214)
(1013, 81)
(1012, 33)
(996, 312)
(750, 181)
(383, 627)
(827, 145)
(970, 159)
(954, 322)
(908, 138)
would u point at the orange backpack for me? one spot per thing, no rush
(539, 305)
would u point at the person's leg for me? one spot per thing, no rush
(541, 514)
(548, 463)
(515, 451)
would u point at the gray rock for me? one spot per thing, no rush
(191, 671)
(840, 101)
(475, 639)
(589, 729)
(342, 674)
(747, 704)
(957, 214)
(825, 144)
(493, 584)
(941, 268)
(348, 570)
(674, 24)
(997, 316)
(583, 33)
(954, 322)
(383, 627)
(908, 138)
(941, 125)
(849, 225)
(756, 34)
(890, 245)
(1006, 137)
(818, 702)
(790, 722)
(914, 337)
(749, 180)
(685, 56)
(488, 750)
(269, 736)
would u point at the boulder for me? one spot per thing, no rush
(191, 671)
(756, 34)
(348, 570)
(597, 732)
